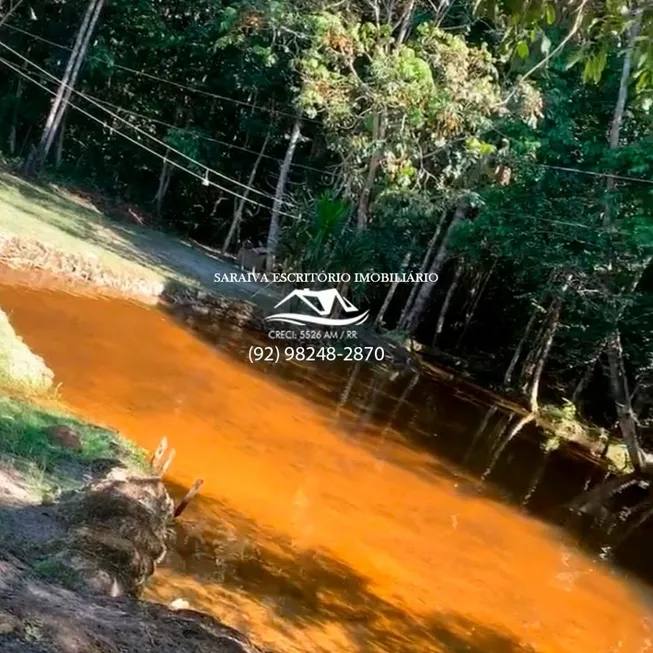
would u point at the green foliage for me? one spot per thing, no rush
(24, 441)
(507, 112)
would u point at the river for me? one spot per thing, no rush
(341, 509)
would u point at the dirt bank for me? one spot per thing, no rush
(71, 572)
(19, 253)
(90, 239)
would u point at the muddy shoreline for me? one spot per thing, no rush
(71, 572)
(206, 313)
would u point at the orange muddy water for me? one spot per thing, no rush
(336, 515)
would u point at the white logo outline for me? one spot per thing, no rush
(326, 298)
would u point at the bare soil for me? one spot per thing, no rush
(71, 572)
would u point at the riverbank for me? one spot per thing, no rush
(71, 570)
(84, 241)
(83, 518)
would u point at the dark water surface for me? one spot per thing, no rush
(341, 508)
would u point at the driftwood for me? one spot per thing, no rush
(158, 454)
(159, 470)
(183, 504)
(167, 463)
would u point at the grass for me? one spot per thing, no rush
(50, 214)
(45, 465)
(19, 367)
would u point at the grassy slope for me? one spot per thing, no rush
(46, 466)
(52, 215)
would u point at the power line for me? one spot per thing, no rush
(208, 138)
(243, 103)
(163, 80)
(196, 90)
(290, 115)
(139, 144)
(641, 180)
(138, 129)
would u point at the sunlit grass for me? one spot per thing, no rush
(20, 368)
(26, 445)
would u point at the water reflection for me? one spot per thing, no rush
(342, 508)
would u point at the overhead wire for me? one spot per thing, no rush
(210, 139)
(139, 144)
(163, 80)
(138, 129)
(291, 115)
(579, 171)
(196, 90)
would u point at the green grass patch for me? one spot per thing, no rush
(26, 444)
(20, 369)
(54, 572)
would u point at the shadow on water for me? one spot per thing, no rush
(309, 588)
(381, 404)
(387, 546)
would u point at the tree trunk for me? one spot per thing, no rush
(61, 135)
(12, 8)
(240, 205)
(641, 460)
(378, 323)
(423, 267)
(412, 319)
(273, 232)
(37, 157)
(618, 115)
(405, 22)
(587, 374)
(475, 284)
(378, 132)
(477, 294)
(507, 378)
(13, 130)
(552, 327)
(447, 301)
(640, 394)
(164, 184)
(589, 369)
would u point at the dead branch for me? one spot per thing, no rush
(190, 495)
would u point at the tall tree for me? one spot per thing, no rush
(60, 103)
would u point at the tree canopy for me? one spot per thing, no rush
(505, 146)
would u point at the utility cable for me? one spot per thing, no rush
(163, 80)
(139, 144)
(138, 129)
